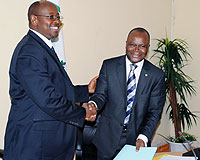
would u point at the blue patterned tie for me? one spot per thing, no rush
(131, 89)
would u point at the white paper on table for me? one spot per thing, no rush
(171, 157)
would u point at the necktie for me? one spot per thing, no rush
(131, 89)
(52, 49)
(55, 55)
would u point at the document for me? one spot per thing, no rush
(170, 157)
(128, 152)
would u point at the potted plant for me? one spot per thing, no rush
(178, 144)
(173, 56)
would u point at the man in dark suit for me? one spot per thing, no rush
(43, 118)
(148, 97)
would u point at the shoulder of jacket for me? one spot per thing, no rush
(153, 67)
(114, 59)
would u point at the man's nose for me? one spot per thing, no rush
(136, 48)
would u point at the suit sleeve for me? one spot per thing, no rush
(81, 93)
(100, 95)
(32, 71)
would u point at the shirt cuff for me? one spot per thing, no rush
(144, 138)
(94, 103)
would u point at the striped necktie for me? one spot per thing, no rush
(131, 89)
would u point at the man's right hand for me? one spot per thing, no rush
(91, 111)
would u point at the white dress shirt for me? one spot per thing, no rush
(137, 72)
(48, 42)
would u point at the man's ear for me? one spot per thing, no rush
(148, 46)
(34, 20)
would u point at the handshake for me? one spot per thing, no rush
(91, 111)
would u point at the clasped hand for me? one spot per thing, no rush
(91, 111)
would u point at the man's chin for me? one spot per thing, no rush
(55, 36)
(134, 59)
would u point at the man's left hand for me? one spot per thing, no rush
(92, 84)
(139, 143)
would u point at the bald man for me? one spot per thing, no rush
(43, 118)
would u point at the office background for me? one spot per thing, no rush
(97, 29)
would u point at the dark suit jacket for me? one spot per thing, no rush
(111, 92)
(43, 117)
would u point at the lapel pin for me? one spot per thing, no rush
(145, 74)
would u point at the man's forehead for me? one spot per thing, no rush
(137, 33)
(47, 7)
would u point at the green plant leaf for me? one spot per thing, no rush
(173, 57)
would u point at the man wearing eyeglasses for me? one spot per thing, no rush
(43, 117)
(131, 92)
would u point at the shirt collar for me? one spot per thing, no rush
(48, 42)
(139, 64)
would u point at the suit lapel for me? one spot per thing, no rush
(50, 52)
(121, 74)
(143, 79)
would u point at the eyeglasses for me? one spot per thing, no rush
(140, 46)
(52, 17)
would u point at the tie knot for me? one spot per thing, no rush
(133, 67)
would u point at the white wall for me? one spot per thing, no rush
(95, 30)
(187, 26)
